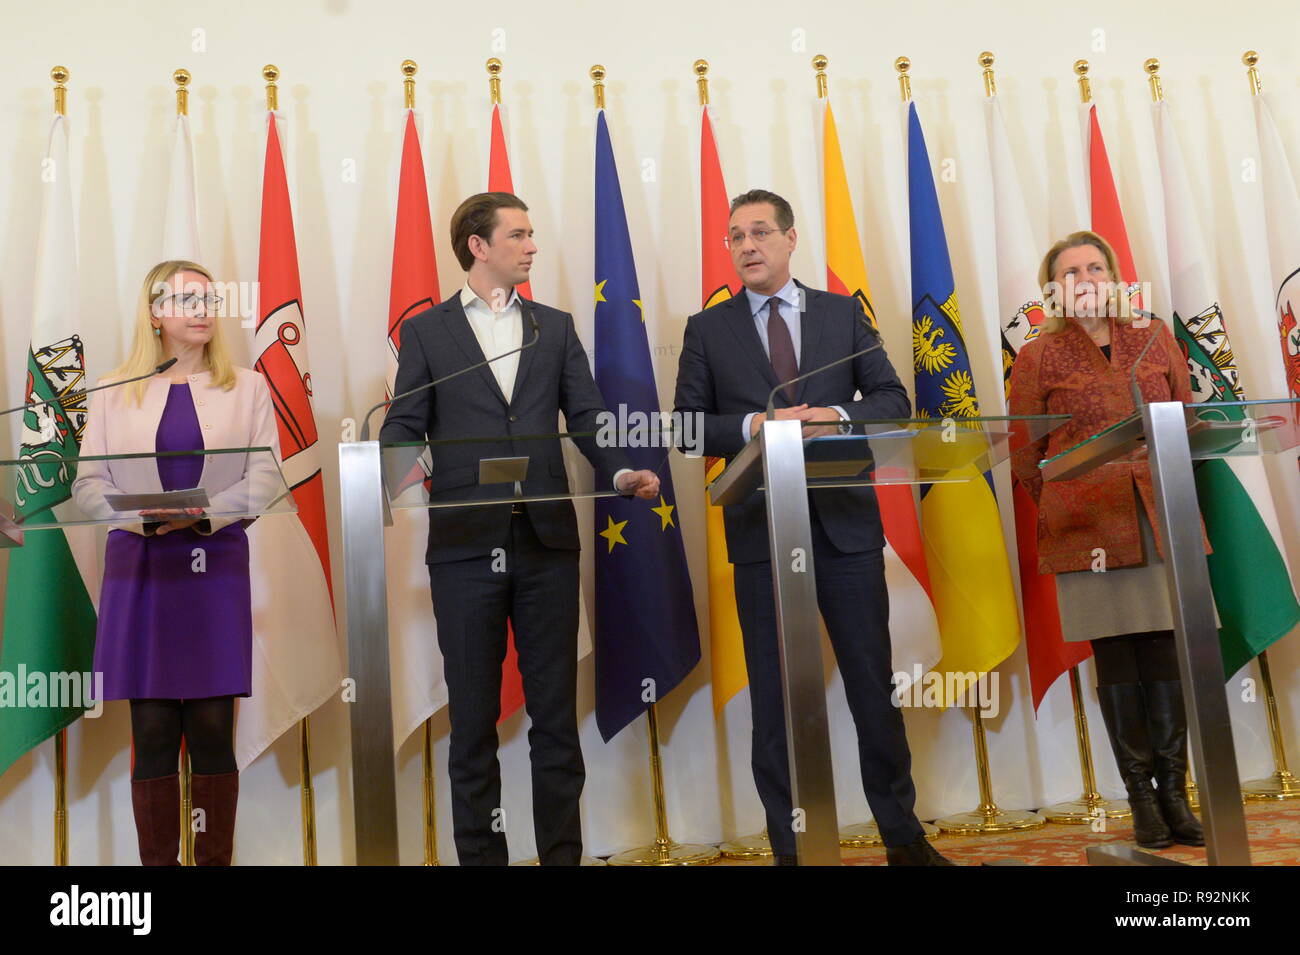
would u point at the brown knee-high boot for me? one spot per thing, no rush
(216, 796)
(157, 805)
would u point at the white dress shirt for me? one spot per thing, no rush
(790, 300)
(498, 333)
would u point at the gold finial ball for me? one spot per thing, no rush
(494, 66)
(270, 72)
(1250, 58)
(597, 72)
(59, 74)
(902, 64)
(986, 60)
(1081, 67)
(181, 77)
(819, 62)
(701, 67)
(1152, 66)
(409, 68)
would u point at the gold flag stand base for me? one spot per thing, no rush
(757, 846)
(990, 819)
(586, 860)
(1078, 812)
(1281, 785)
(864, 835)
(663, 851)
(667, 852)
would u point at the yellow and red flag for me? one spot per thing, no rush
(727, 649)
(914, 627)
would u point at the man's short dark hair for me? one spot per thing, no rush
(477, 215)
(784, 214)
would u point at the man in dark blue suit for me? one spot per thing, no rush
(733, 355)
(493, 562)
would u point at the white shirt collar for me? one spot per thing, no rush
(789, 295)
(468, 297)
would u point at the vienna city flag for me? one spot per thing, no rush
(297, 665)
(913, 626)
(647, 639)
(1020, 307)
(969, 571)
(1251, 583)
(419, 689)
(49, 614)
(1282, 214)
(726, 647)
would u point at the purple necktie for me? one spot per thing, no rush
(780, 347)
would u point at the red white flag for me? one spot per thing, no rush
(1021, 312)
(297, 664)
(419, 689)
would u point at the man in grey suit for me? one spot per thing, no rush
(733, 355)
(490, 563)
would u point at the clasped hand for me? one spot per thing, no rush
(802, 413)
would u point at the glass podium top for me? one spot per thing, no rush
(895, 451)
(509, 469)
(1215, 429)
(45, 491)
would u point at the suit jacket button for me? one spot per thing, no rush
(207, 427)
(514, 417)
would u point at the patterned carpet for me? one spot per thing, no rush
(1273, 829)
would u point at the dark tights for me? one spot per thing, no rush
(1136, 658)
(208, 728)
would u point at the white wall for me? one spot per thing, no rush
(341, 93)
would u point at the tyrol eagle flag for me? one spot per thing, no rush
(647, 639)
(979, 624)
(1020, 303)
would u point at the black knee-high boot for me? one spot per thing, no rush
(1167, 725)
(1124, 711)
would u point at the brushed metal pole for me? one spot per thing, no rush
(374, 785)
(812, 780)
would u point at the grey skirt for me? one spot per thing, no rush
(1121, 600)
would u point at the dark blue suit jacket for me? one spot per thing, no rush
(724, 374)
(553, 376)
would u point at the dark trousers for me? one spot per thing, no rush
(854, 604)
(537, 589)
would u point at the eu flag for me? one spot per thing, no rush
(647, 639)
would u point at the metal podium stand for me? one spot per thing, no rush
(781, 462)
(375, 479)
(1171, 436)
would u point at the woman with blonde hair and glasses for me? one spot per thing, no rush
(175, 619)
(1095, 532)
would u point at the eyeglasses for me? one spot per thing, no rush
(758, 235)
(188, 302)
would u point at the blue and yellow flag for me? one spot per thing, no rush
(647, 639)
(969, 569)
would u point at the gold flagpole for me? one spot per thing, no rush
(1282, 784)
(271, 73)
(987, 817)
(430, 816)
(1091, 804)
(182, 78)
(756, 846)
(60, 76)
(663, 851)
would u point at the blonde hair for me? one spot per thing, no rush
(1053, 317)
(146, 347)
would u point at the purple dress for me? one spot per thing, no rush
(174, 624)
